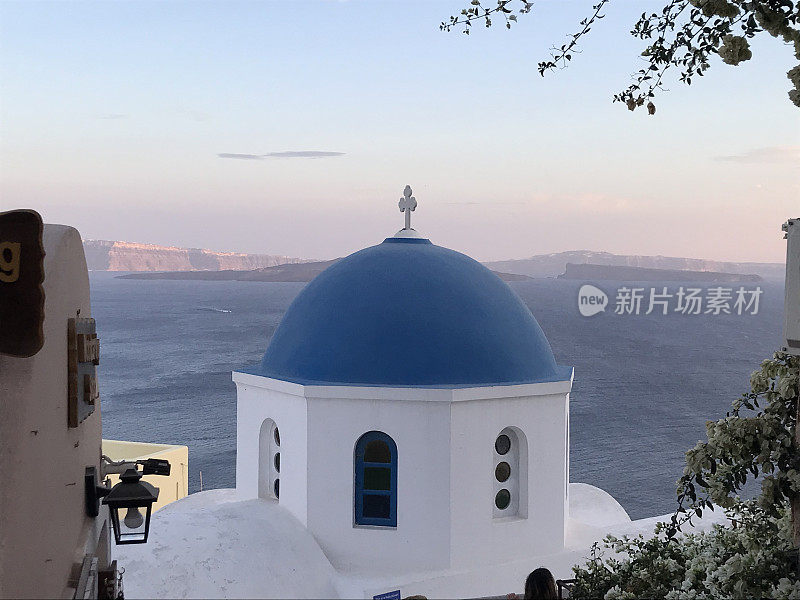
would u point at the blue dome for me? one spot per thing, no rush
(409, 313)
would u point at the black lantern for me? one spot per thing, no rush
(134, 499)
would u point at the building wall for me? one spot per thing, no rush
(45, 531)
(172, 487)
(477, 536)
(420, 429)
(284, 404)
(445, 485)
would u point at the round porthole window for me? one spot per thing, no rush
(276, 487)
(502, 445)
(277, 437)
(278, 462)
(502, 499)
(502, 471)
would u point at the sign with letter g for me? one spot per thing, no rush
(21, 277)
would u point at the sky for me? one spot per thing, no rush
(292, 127)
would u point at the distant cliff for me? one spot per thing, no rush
(588, 272)
(127, 256)
(553, 265)
(102, 255)
(301, 272)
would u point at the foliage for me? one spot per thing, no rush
(684, 35)
(752, 560)
(755, 438)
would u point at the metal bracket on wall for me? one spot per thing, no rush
(93, 492)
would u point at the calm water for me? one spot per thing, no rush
(644, 385)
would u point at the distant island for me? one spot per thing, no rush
(553, 265)
(198, 263)
(589, 272)
(301, 272)
(306, 271)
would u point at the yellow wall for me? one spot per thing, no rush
(171, 488)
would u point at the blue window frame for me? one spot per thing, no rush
(375, 480)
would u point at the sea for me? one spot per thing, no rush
(645, 384)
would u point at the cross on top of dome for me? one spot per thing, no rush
(407, 204)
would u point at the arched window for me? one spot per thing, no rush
(375, 480)
(510, 473)
(269, 460)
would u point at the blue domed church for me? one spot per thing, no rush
(410, 414)
(406, 432)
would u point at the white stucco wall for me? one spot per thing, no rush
(445, 486)
(285, 404)
(42, 460)
(476, 536)
(421, 431)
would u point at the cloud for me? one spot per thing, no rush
(303, 154)
(241, 156)
(112, 116)
(287, 154)
(487, 203)
(771, 154)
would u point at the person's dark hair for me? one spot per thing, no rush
(540, 585)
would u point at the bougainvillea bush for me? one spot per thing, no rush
(756, 557)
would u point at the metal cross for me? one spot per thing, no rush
(407, 204)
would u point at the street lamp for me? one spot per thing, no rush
(132, 496)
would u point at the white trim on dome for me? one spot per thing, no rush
(407, 233)
(411, 394)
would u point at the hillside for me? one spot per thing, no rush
(592, 272)
(302, 272)
(553, 265)
(102, 255)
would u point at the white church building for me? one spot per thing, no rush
(407, 432)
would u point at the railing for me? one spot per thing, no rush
(564, 587)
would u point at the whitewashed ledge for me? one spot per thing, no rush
(211, 544)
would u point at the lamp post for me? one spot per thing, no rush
(131, 496)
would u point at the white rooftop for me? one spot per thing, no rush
(210, 544)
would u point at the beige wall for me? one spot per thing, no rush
(172, 487)
(44, 530)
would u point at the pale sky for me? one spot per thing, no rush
(114, 115)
